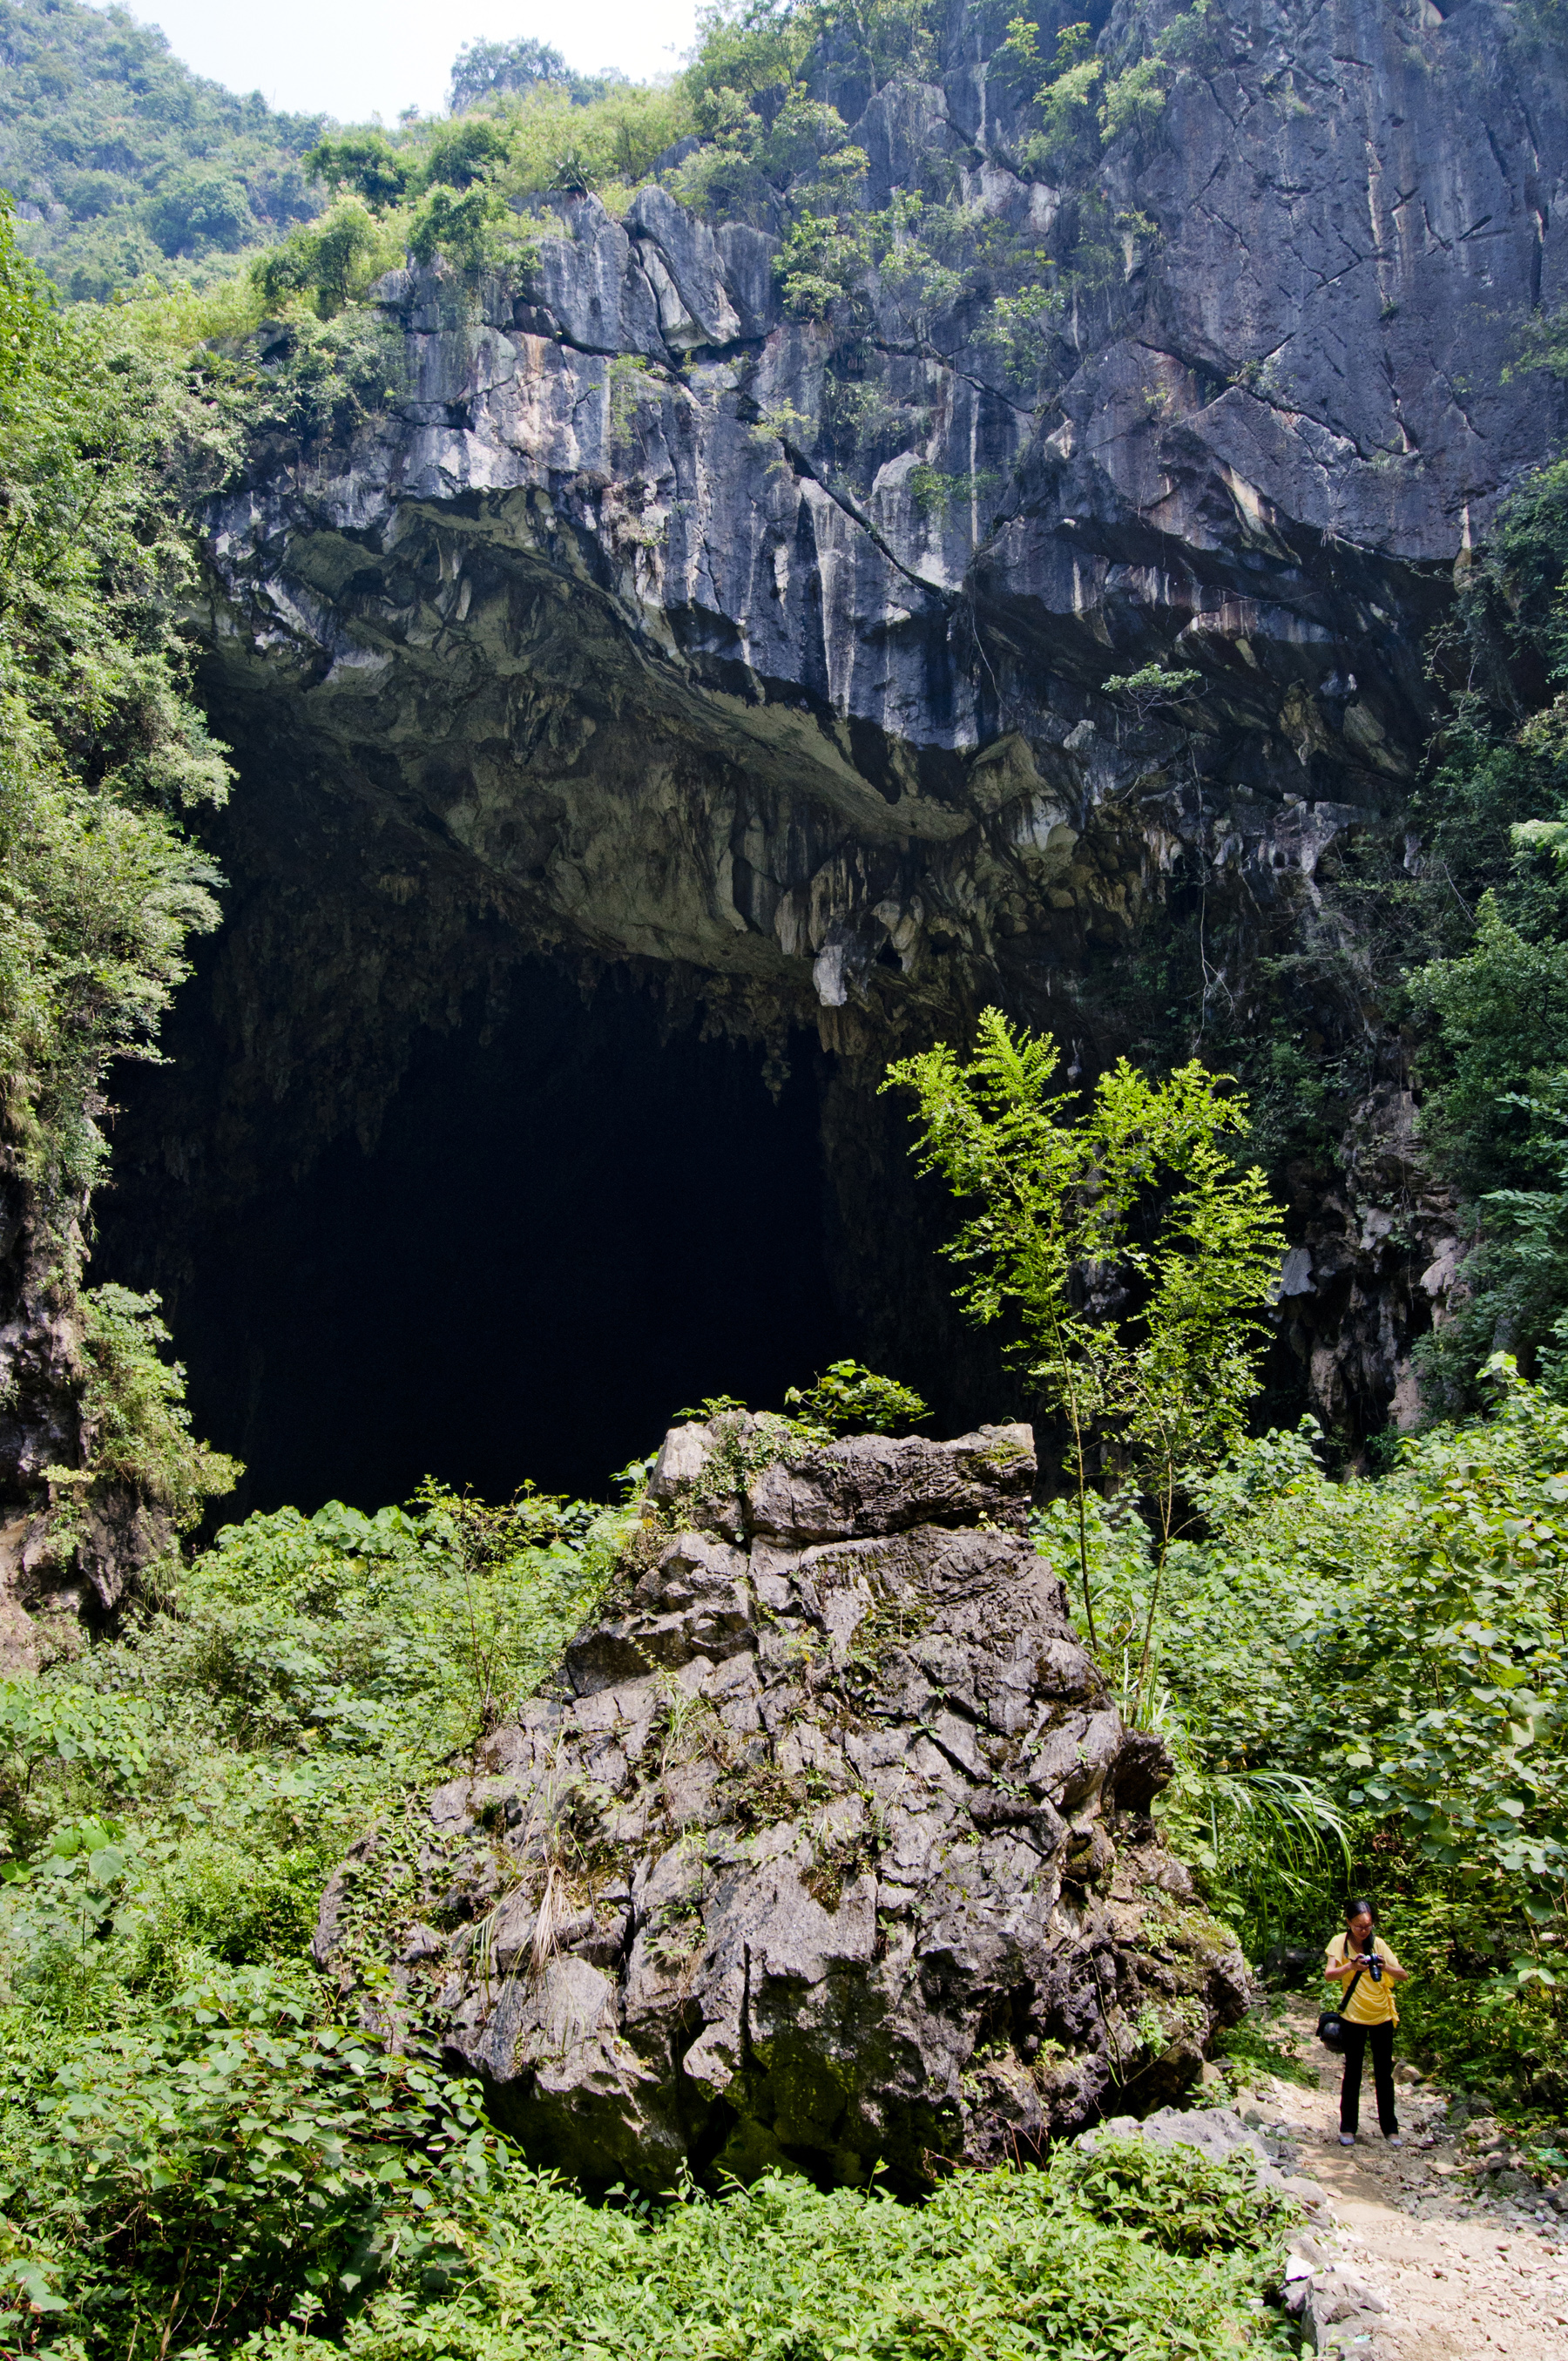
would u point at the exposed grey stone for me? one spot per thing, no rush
(628, 662)
(783, 1870)
(688, 254)
(593, 284)
(874, 1483)
(665, 682)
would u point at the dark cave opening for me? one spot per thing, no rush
(572, 1224)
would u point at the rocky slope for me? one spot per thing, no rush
(827, 1847)
(645, 628)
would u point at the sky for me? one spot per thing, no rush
(358, 58)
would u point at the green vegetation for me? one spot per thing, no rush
(124, 164)
(136, 1429)
(142, 170)
(850, 1399)
(1358, 1679)
(1363, 1679)
(106, 436)
(1085, 97)
(197, 2151)
(1364, 1682)
(188, 2134)
(1134, 1257)
(483, 68)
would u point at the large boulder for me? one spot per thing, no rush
(826, 1846)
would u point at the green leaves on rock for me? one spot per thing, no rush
(848, 1398)
(193, 2143)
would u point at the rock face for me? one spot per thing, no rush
(622, 628)
(644, 628)
(827, 1847)
(46, 1591)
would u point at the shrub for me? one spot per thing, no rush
(333, 262)
(197, 210)
(848, 1398)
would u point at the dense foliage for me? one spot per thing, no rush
(108, 427)
(1366, 1677)
(124, 162)
(1366, 1681)
(483, 68)
(1359, 1676)
(196, 2148)
(103, 441)
(1135, 1257)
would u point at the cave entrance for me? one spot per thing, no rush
(572, 1221)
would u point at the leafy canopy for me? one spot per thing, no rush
(103, 441)
(110, 428)
(131, 163)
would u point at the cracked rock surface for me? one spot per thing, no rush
(827, 1845)
(630, 630)
(642, 627)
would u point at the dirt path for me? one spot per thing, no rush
(1465, 2277)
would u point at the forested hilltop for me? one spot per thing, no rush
(123, 163)
(857, 549)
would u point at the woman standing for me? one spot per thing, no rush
(1361, 1963)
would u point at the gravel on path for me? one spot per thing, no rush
(1464, 2275)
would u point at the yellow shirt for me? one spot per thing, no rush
(1370, 2004)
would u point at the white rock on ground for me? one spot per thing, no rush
(1416, 2268)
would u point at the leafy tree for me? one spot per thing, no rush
(461, 153)
(196, 211)
(333, 261)
(1134, 1257)
(476, 230)
(104, 440)
(1152, 689)
(364, 162)
(488, 70)
(823, 263)
(481, 67)
(1131, 89)
(132, 162)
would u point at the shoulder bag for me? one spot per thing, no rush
(1330, 2023)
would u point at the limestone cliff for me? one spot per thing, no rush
(639, 626)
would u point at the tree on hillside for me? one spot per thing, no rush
(483, 68)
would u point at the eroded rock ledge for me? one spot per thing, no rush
(827, 1845)
(641, 627)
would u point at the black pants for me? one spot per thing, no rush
(1356, 2038)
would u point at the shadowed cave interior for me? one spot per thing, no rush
(572, 1225)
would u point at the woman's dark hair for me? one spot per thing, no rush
(1358, 1907)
